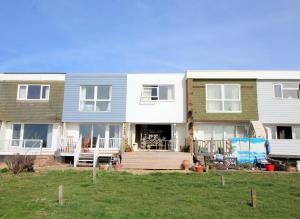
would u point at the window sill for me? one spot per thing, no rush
(94, 111)
(229, 112)
(43, 101)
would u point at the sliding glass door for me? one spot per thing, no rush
(90, 133)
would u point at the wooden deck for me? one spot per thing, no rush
(155, 160)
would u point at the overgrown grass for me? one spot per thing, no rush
(158, 195)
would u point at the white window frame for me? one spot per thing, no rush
(146, 98)
(41, 93)
(282, 88)
(95, 100)
(223, 99)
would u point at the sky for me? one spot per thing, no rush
(148, 35)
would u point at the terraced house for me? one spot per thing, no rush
(31, 110)
(279, 111)
(221, 105)
(89, 118)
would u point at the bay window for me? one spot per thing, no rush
(31, 135)
(223, 98)
(33, 92)
(287, 90)
(95, 98)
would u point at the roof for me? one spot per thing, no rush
(32, 76)
(244, 74)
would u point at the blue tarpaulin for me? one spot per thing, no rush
(248, 150)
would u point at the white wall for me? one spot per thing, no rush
(276, 111)
(285, 147)
(158, 111)
(72, 129)
(181, 134)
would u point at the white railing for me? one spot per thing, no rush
(96, 151)
(22, 145)
(115, 143)
(77, 151)
(101, 142)
(66, 145)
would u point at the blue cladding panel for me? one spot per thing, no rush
(118, 100)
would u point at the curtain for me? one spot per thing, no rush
(103, 106)
(49, 136)
(147, 92)
(103, 92)
(232, 106)
(22, 92)
(214, 92)
(297, 132)
(166, 92)
(114, 131)
(232, 92)
(213, 105)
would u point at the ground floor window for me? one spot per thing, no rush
(90, 133)
(29, 135)
(220, 131)
(283, 132)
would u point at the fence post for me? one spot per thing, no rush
(61, 195)
(94, 175)
(253, 197)
(222, 181)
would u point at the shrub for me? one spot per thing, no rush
(20, 163)
(4, 170)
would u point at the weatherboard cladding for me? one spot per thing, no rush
(37, 111)
(73, 82)
(248, 98)
(273, 110)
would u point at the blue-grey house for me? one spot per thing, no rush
(94, 112)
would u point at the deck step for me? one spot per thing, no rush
(84, 164)
(154, 160)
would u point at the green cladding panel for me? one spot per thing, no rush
(248, 98)
(30, 111)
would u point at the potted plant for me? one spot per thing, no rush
(186, 164)
(199, 168)
(118, 167)
(128, 148)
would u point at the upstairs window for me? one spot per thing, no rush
(287, 90)
(223, 98)
(158, 92)
(95, 98)
(33, 92)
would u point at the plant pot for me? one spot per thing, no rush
(186, 164)
(270, 167)
(118, 167)
(103, 167)
(291, 169)
(199, 169)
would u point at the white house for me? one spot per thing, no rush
(278, 94)
(156, 111)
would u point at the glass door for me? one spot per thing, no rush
(85, 131)
(98, 130)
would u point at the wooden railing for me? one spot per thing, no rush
(211, 147)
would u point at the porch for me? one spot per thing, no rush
(155, 137)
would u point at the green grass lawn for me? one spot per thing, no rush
(158, 195)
